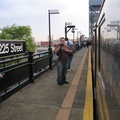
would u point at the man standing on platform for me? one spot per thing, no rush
(62, 51)
(70, 55)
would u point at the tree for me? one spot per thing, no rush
(19, 33)
(30, 46)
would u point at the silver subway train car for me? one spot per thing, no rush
(106, 60)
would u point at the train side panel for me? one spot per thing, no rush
(106, 57)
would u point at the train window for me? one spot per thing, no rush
(109, 60)
(100, 40)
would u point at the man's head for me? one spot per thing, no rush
(66, 39)
(62, 40)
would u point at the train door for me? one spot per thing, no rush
(100, 74)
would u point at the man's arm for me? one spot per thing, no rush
(57, 49)
(72, 44)
(68, 49)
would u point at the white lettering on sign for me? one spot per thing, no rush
(16, 48)
(4, 48)
(10, 48)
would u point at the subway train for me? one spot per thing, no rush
(106, 61)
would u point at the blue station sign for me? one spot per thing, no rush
(11, 47)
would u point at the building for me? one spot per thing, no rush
(94, 10)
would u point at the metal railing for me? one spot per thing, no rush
(20, 70)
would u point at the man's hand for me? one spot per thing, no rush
(61, 44)
(1, 76)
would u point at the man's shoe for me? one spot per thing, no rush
(66, 82)
(69, 70)
(60, 83)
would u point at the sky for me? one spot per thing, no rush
(35, 14)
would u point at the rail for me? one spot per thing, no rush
(20, 70)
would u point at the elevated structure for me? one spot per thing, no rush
(94, 9)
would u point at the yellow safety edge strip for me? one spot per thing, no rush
(88, 107)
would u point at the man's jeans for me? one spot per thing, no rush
(69, 60)
(61, 72)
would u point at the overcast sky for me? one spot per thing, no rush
(35, 14)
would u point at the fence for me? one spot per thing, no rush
(20, 70)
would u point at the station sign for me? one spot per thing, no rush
(11, 47)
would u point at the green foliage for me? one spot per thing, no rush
(19, 33)
(30, 46)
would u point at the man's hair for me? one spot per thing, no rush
(62, 38)
(66, 39)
